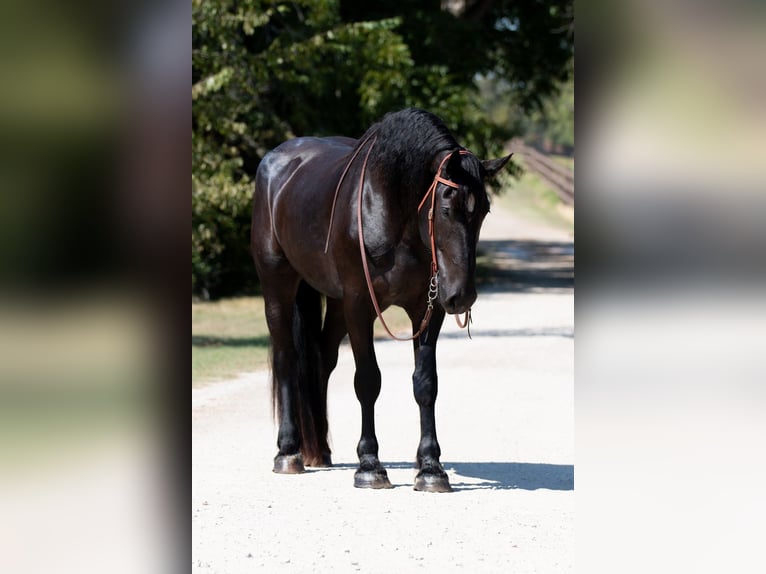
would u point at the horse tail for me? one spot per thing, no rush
(311, 386)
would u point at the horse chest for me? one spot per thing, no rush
(406, 279)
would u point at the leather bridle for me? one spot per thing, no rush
(433, 286)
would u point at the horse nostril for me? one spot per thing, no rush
(459, 300)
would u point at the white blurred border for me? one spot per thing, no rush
(670, 305)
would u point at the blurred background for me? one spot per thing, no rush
(670, 312)
(94, 212)
(94, 136)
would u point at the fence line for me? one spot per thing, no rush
(560, 177)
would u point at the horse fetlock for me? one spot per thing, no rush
(288, 443)
(367, 447)
(428, 450)
(370, 462)
(431, 466)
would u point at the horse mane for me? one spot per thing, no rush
(407, 143)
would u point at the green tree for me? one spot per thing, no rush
(552, 125)
(264, 72)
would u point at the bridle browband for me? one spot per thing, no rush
(433, 286)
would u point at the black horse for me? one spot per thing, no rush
(390, 219)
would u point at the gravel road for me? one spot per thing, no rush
(505, 425)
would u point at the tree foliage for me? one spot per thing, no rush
(268, 70)
(552, 126)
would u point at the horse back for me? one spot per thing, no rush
(294, 188)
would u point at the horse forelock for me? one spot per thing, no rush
(472, 166)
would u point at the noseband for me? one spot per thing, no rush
(433, 287)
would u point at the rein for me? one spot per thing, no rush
(433, 286)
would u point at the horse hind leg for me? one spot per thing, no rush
(279, 292)
(300, 390)
(333, 331)
(312, 377)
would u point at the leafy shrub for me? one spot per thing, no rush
(221, 263)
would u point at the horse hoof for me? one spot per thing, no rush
(432, 483)
(323, 461)
(372, 479)
(289, 464)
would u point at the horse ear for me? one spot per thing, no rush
(492, 166)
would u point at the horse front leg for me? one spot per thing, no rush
(359, 322)
(425, 383)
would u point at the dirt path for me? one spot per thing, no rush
(505, 424)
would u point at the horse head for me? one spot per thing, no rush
(460, 204)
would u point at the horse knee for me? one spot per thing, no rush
(425, 389)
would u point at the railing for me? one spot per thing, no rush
(560, 177)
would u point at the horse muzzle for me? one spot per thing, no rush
(456, 301)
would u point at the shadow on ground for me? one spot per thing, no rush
(215, 341)
(492, 475)
(525, 266)
(511, 476)
(566, 332)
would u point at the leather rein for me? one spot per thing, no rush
(433, 286)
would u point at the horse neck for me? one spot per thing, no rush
(406, 183)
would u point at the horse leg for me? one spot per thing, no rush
(359, 321)
(279, 300)
(333, 331)
(431, 476)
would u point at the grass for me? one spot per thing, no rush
(397, 320)
(564, 160)
(230, 337)
(76, 378)
(531, 198)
